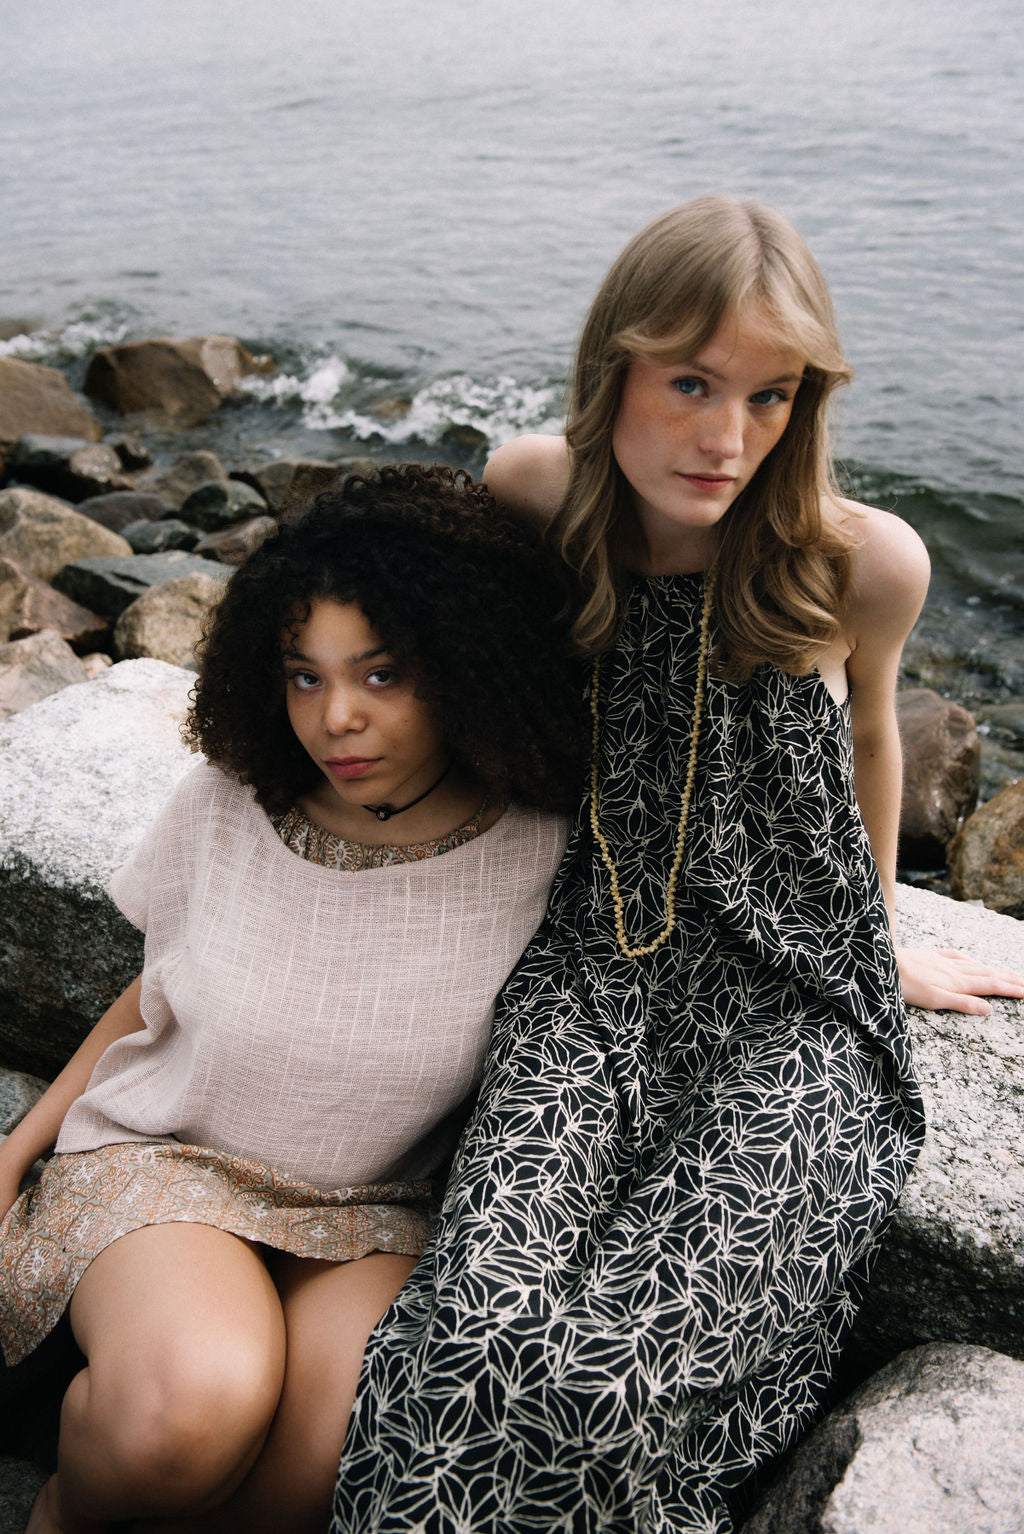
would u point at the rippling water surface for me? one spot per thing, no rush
(397, 199)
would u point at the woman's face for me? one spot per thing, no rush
(690, 437)
(356, 713)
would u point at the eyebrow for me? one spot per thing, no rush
(353, 660)
(702, 367)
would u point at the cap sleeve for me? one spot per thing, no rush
(165, 855)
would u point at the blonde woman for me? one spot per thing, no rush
(699, 1108)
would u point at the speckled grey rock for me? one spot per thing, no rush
(82, 775)
(933, 1444)
(108, 586)
(20, 1482)
(953, 1266)
(18, 1091)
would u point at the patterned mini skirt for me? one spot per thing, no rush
(87, 1199)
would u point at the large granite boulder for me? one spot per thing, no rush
(82, 775)
(986, 859)
(183, 381)
(933, 1444)
(42, 534)
(33, 668)
(40, 399)
(166, 622)
(108, 586)
(941, 772)
(952, 1268)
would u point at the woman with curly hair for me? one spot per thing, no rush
(247, 1140)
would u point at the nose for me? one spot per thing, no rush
(343, 711)
(722, 428)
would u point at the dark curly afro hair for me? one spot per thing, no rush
(467, 600)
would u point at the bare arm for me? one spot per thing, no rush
(890, 579)
(39, 1129)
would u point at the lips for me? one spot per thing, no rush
(350, 766)
(708, 481)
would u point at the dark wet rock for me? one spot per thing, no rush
(291, 482)
(29, 605)
(464, 439)
(175, 482)
(123, 507)
(108, 586)
(132, 451)
(33, 668)
(220, 502)
(941, 769)
(166, 622)
(42, 534)
(82, 775)
(233, 545)
(67, 466)
(40, 399)
(179, 381)
(159, 537)
(933, 1444)
(986, 859)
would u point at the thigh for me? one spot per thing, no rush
(181, 1304)
(330, 1310)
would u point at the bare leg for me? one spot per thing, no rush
(330, 1310)
(185, 1340)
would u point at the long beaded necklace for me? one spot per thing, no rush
(684, 813)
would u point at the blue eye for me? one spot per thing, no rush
(688, 386)
(768, 397)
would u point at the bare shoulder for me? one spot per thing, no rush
(889, 566)
(528, 476)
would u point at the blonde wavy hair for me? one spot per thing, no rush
(782, 569)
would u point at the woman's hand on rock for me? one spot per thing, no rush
(941, 980)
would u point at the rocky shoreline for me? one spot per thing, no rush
(107, 564)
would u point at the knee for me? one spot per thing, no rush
(184, 1437)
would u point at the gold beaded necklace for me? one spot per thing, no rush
(684, 813)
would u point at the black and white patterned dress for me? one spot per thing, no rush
(664, 1209)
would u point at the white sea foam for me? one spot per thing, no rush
(59, 344)
(333, 397)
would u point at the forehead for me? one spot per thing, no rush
(335, 626)
(747, 339)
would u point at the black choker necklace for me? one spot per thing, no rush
(385, 811)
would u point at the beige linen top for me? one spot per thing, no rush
(318, 1021)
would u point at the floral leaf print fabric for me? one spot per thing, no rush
(665, 1207)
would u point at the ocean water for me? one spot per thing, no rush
(399, 200)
